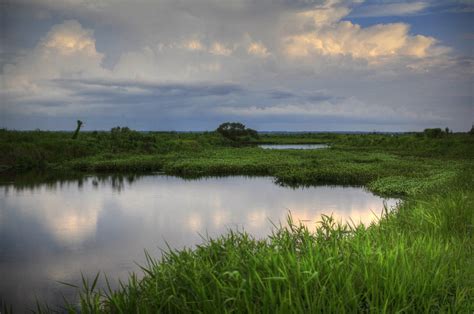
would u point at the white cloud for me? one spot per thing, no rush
(330, 36)
(67, 51)
(69, 39)
(325, 15)
(390, 9)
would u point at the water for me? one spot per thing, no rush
(293, 146)
(52, 232)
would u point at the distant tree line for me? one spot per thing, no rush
(238, 132)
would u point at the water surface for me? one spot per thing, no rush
(52, 232)
(293, 146)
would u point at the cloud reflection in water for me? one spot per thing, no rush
(52, 232)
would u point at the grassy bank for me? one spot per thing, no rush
(396, 165)
(416, 259)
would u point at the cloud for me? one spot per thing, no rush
(345, 111)
(258, 49)
(390, 9)
(345, 38)
(194, 45)
(67, 50)
(70, 38)
(330, 36)
(220, 49)
(324, 15)
(198, 63)
(119, 88)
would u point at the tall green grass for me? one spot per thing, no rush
(39, 149)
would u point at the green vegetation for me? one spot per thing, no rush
(401, 164)
(417, 258)
(435, 133)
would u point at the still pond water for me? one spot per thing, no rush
(293, 146)
(52, 232)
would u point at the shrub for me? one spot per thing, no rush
(236, 131)
(433, 133)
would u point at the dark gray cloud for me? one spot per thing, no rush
(88, 87)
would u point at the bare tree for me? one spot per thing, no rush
(76, 133)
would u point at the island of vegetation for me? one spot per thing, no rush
(417, 258)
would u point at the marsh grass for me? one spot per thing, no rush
(417, 258)
(388, 164)
(414, 259)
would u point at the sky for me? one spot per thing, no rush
(274, 65)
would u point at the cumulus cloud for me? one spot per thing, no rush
(67, 50)
(330, 36)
